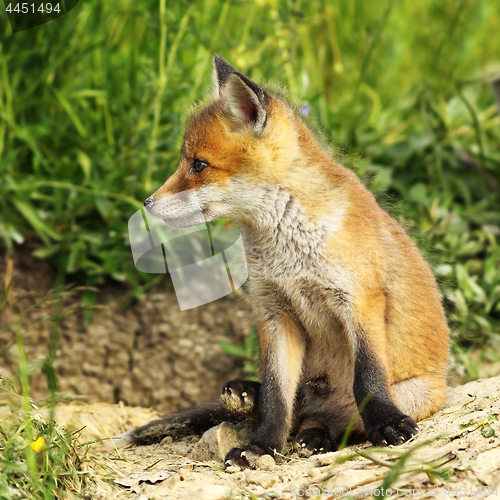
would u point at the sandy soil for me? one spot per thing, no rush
(456, 455)
(145, 352)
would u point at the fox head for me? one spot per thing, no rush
(238, 157)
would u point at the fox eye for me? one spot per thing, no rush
(198, 166)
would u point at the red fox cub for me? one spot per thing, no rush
(348, 312)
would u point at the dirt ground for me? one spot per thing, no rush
(149, 354)
(145, 353)
(456, 455)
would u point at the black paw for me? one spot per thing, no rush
(395, 432)
(316, 440)
(243, 457)
(241, 396)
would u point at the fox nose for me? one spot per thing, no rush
(148, 203)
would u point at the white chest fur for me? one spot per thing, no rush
(288, 267)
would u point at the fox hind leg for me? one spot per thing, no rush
(315, 439)
(242, 396)
(420, 397)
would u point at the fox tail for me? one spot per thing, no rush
(239, 401)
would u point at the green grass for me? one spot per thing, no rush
(92, 108)
(39, 459)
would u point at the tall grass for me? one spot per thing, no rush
(39, 459)
(92, 106)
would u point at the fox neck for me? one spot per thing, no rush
(308, 195)
(282, 230)
(271, 210)
(275, 222)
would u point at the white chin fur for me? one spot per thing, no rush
(179, 210)
(186, 221)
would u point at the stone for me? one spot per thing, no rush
(216, 443)
(265, 462)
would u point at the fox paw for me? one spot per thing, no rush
(397, 431)
(243, 457)
(315, 440)
(241, 396)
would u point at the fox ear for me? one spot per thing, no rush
(244, 101)
(223, 70)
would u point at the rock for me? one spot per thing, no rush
(245, 430)
(265, 462)
(216, 443)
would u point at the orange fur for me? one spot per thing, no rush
(339, 277)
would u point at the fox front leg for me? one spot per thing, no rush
(383, 421)
(282, 347)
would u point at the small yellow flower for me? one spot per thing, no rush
(38, 445)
